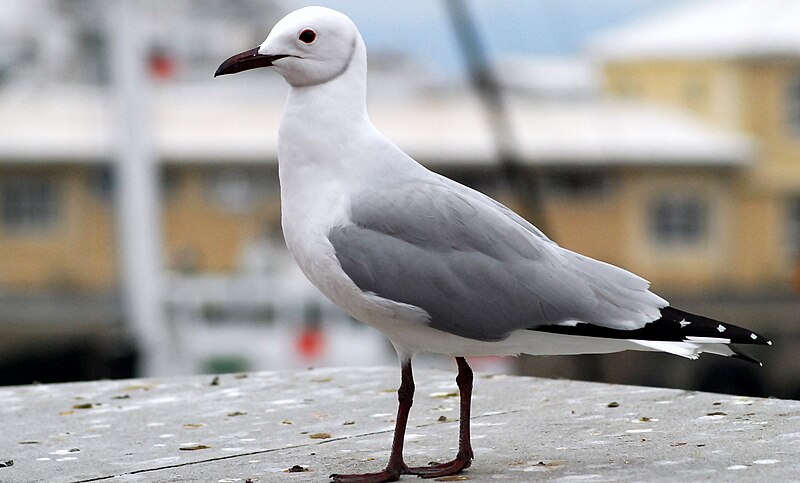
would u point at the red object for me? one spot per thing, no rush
(310, 344)
(161, 66)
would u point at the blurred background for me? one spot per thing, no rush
(139, 201)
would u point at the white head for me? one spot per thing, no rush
(310, 46)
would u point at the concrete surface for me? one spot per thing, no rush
(257, 426)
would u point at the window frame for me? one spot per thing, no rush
(793, 105)
(679, 227)
(792, 220)
(32, 214)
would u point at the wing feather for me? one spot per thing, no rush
(478, 269)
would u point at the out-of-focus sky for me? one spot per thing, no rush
(533, 27)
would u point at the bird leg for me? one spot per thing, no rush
(405, 398)
(464, 457)
(396, 466)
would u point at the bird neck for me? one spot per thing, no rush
(320, 123)
(334, 104)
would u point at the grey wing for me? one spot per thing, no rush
(477, 271)
(471, 193)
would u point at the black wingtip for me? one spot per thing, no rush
(674, 325)
(744, 356)
(699, 325)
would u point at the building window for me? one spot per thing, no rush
(233, 191)
(793, 228)
(696, 91)
(240, 190)
(101, 183)
(28, 203)
(793, 106)
(171, 183)
(628, 89)
(678, 219)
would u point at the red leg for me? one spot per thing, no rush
(464, 457)
(396, 466)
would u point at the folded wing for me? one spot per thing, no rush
(477, 269)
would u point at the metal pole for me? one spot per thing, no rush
(490, 93)
(136, 178)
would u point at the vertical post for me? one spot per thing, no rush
(491, 96)
(136, 189)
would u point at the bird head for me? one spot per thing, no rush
(309, 46)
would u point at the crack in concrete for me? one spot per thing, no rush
(272, 450)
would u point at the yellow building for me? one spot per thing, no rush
(686, 171)
(637, 185)
(735, 65)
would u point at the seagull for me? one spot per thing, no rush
(436, 266)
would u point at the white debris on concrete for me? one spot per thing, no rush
(305, 425)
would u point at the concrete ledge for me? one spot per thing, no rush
(257, 426)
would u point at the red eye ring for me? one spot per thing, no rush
(307, 36)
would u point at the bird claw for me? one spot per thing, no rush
(433, 470)
(380, 477)
(388, 474)
(438, 470)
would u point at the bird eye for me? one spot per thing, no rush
(308, 36)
